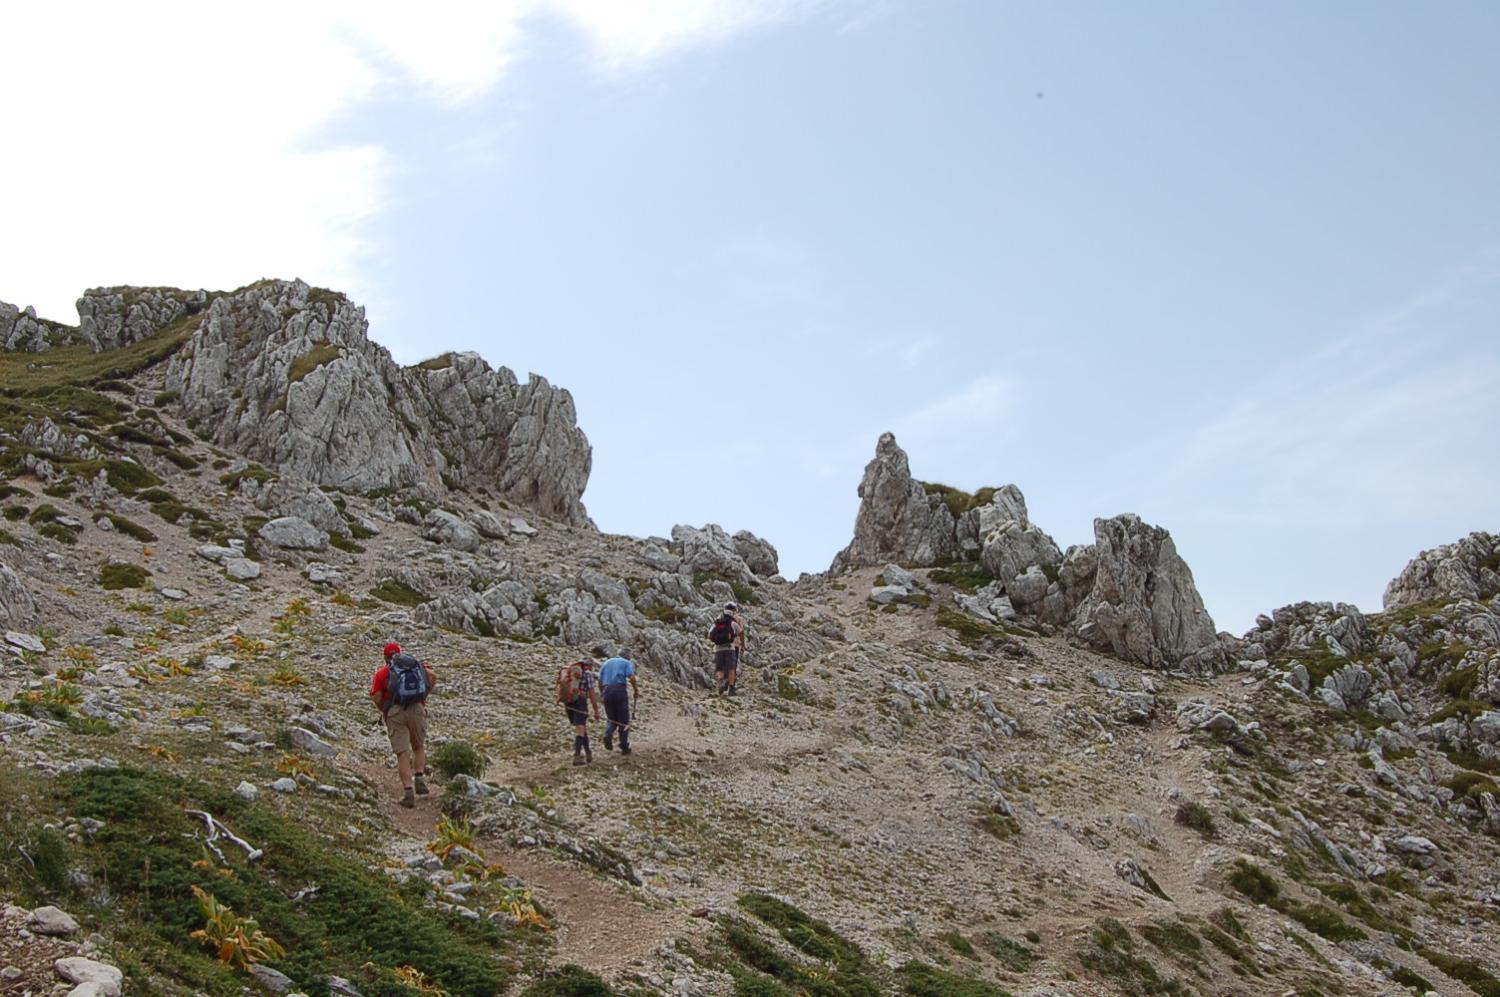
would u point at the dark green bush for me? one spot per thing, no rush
(116, 575)
(1254, 883)
(457, 758)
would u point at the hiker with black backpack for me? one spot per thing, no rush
(400, 688)
(576, 689)
(727, 635)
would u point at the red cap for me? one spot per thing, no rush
(392, 648)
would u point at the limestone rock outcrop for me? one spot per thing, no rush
(112, 317)
(16, 604)
(1468, 569)
(284, 373)
(20, 329)
(1143, 605)
(898, 519)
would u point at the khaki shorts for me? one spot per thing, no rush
(407, 726)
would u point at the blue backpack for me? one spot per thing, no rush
(407, 682)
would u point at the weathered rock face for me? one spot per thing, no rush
(759, 556)
(711, 550)
(1468, 569)
(20, 329)
(112, 317)
(898, 520)
(16, 605)
(285, 373)
(1143, 605)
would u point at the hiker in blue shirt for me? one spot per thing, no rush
(613, 675)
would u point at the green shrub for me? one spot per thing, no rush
(116, 575)
(344, 544)
(15, 513)
(569, 981)
(58, 532)
(398, 594)
(133, 530)
(1254, 883)
(1407, 978)
(44, 513)
(457, 758)
(1011, 954)
(1174, 938)
(1110, 954)
(959, 944)
(1196, 816)
(1472, 784)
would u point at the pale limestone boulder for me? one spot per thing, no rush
(759, 556)
(1143, 605)
(898, 519)
(293, 533)
(443, 527)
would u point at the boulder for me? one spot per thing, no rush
(1005, 505)
(77, 969)
(16, 605)
(294, 496)
(51, 921)
(293, 533)
(112, 317)
(21, 330)
(1463, 570)
(759, 556)
(898, 519)
(1347, 688)
(711, 550)
(242, 569)
(310, 743)
(1143, 605)
(489, 525)
(443, 527)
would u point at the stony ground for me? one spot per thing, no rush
(934, 794)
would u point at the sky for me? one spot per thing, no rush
(1232, 267)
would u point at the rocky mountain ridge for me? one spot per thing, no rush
(962, 763)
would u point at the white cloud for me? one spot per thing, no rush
(183, 143)
(973, 410)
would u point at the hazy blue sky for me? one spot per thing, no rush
(1233, 267)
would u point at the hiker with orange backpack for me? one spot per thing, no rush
(577, 687)
(399, 689)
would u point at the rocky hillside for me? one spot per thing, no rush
(963, 762)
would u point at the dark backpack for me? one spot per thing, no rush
(407, 682)
(722, 632)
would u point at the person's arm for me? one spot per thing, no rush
(431, 676)
(594, 698)
(635, 690)
(377, 692)
(739, 636)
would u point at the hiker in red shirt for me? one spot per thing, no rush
(399, 689)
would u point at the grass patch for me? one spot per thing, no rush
(1466, 709)
(1175, 939)
(1473, 761)
(343, 543)
(959, 944)
(133, 530)
(967, 628)
(743, 593)
(320, 354)
(116, 575)
(844, 973)
(440, 362)
(1472, 784)
(669, 615)
(957, 500)
(1221, 940)
(254, 473)
(1475, 976)
(357, 923)
(1110, 953)
(36, 373)
(1010, 954)
(58, 532)
(1325, 922)
(922, 980)
(964, 576)
(398, 594)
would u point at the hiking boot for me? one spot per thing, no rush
(422, 789)
(731, 690)
(624, 750)
(609, 742)
(577, 759)
(588, 755)
(408, 800)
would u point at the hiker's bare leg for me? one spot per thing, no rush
(403, 768)
(419, 759)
